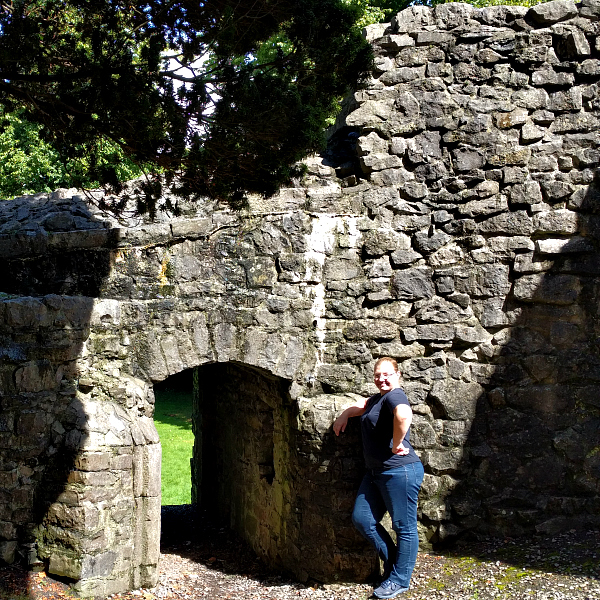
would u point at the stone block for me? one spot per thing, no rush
(296, 268)
(575, 122)
(377, 329)
(502, 156)
(439, 332)
(98, 565)
(422, 434)
(147, 534)
(439, 310)
(443, 461)
(436, 38)
(342, 269)
(512, 223)
(528, 192)
(413, 18)
(36, 376)
(449, 16)
(561, 290)
(260, 272)
(569, 100)
(413, 284)
(379, 162)
(589, 68)
(547, 76)
(146, 470)
(531, 98)
(564, 245)
(64, 565)
(590, 9)
(8, 531)
(401, 258)
(402, 75)
(106, 313)
(545, 162)
(414, 190)
(502, 16)
(78, 518)
(427, 242)
(485, 281)
(8, 552)
(488, 206)
(372, 144)
(545, 399)
(511, 119)
(458, 399)
(395, 41)
(530, 133)
(190, 228)
(561, 221)
(471, 335)
(374, 31)
(553, 12)
(424, 147)
(26, 313)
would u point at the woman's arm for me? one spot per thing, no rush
(402, 421)
(357, 409)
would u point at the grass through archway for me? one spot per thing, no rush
(173, 420)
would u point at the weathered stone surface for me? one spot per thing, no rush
(548, 289)
(526, 193)
(513, 223)
(589, 68)
(569, 100)
(563, 246)
(560, 221)
(485, 281)
(413, 284)
(457, 398)
(554, 11)
(457, 231)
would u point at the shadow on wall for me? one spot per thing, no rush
(531, 460)
(46, 302)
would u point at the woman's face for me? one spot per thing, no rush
(385, 377)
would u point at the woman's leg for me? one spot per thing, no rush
(369, 509)
(400, 491)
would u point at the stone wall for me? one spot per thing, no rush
(453, 224)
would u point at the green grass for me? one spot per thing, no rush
(173, 420)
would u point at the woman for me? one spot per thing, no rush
(393, 478)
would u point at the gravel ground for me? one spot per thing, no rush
(217, 565)
(201, 560)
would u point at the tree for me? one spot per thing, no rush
(29, 165)
(196, 92)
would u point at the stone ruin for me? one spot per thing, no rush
(454, 224)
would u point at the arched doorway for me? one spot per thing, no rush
(241, 466)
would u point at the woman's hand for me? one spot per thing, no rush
(339, 425)
(400, 449)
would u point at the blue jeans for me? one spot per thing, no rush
(395, 491)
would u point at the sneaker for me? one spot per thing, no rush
(389, 589)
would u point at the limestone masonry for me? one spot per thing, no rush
(454, 224)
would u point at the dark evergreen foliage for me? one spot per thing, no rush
(221, 119)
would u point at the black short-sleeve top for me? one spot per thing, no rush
(376, 425)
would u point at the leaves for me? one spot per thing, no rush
(216, 99)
